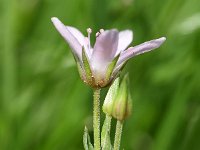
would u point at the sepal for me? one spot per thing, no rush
(79, 66)
(111, 67)
(86, 64)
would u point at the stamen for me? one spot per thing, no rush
(89, 31)
(101, 30)
(97, 34)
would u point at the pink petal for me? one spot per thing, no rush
(140, 49)
(71, 39)
(125, 39)
(104, 50)
(81, 39)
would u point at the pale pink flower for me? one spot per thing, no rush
(99, 65)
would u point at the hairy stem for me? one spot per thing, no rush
(118, 134)
(96, 119)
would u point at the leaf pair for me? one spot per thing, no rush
(105, 134)
(86, 140)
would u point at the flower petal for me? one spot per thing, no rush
(140, 49)
(81, 39)
(125, 39)
(104, 51)
(68, 36)
(77, 34)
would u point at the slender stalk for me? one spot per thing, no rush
(96, 119)
(118, 134)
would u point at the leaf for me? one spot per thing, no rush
(89, 143)
(86, 140)
(91, 146)
(105, 134)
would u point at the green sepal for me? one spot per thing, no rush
(105, 134)
(129, 106)
(110, 97)
(111, 67)
(80, 70)
(79, 65)
(86, 140)
(86, 64)
(121, 68)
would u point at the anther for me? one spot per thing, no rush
(101, 30)
(89, 30)
(97, 34)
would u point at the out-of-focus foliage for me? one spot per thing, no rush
(44, 104)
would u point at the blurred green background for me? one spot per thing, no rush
(43, 103)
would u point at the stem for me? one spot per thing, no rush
(118, 134)
(96, 119)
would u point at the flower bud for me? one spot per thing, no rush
(122, 103)
(110, 97)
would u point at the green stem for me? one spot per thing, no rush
(96, 119)
(118, 134)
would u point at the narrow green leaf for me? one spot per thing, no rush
(111, 67)
(86, 140)
(89, 143)
(91, 146)
(85, 136)
(86, 64)
(105, 134)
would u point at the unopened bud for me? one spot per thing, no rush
(110, 97)
(122, 103)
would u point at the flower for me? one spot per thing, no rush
(99, 65)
